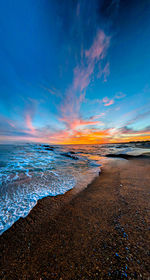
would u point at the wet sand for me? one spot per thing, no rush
(101, 232)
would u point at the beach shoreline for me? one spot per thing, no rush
(98, 233)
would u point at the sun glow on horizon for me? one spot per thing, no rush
(74, 73)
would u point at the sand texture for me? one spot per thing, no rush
(100, 233)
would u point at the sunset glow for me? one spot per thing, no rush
(75, 77)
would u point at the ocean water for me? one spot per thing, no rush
(29, 172)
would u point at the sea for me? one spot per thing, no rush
(29, 172)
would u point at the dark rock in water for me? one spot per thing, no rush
(48, 148)
(125, 156)
(121, 146)
(146, 144)
(118, 156)
(69, 155)
(71, 152)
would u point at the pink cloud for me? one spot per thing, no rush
(97, 52)
(106, 72)
(105, 99)
(99, 47)
(11, 124)
(97, 116)
(83, 74)
(103, 72)
(7, 120)
(79, 123)
(29, 123)
(109, 103)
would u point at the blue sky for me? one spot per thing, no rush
(74, 71)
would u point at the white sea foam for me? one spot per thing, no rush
(30, 172)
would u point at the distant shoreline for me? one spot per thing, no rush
(76, 144)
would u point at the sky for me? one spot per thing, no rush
(74, 71)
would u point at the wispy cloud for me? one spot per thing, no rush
(98, 48)
(86, 136)
(29, 123)
(29, 113)
(104, 72)
(139, 117)
(80, 130)
(107, 101)
(129, 134)
(97, 52)
(83, 73)
(80, 123)
(10, 129)
(120, 95)
(4, 120)
(52, 90)
(97, 116)
(127, 130)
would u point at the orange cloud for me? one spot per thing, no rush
(85, 136)
(82, 135)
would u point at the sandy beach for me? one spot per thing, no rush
(101, 232)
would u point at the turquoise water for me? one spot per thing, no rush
(29, 172)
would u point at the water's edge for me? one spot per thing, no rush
(31, 172)
(71, 193)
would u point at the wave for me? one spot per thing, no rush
(29, 172)
(48, 148)
(70, 155)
